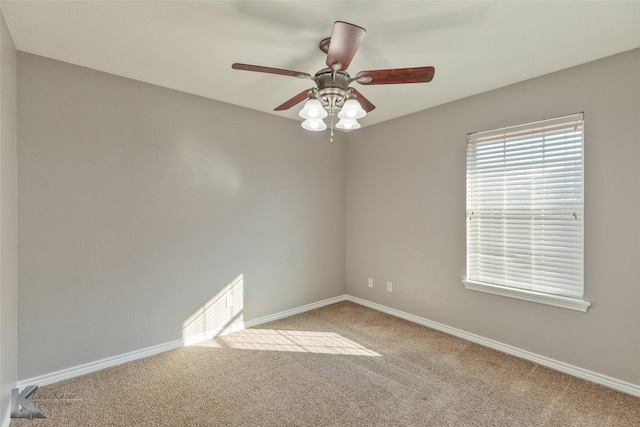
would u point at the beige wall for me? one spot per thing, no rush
(406, 216)
(8, 221)
(138, 205)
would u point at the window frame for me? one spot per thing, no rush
(573, 302)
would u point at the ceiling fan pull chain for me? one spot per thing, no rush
(331, 139)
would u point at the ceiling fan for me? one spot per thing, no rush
(332, 95)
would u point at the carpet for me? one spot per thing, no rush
(339, 365)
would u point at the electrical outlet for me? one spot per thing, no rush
(389, 287)
(370, 282)
(229, 301)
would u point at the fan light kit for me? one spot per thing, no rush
(332, 97)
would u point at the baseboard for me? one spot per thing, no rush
(614, 383)
(86, 368)
(578, 372)
(293, 311)
(75, 371)
(195, 339)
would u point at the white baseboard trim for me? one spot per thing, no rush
(86, 368)
(293, 311)
(195, 339)
(76, 371)
(623, 386)
(64, 374)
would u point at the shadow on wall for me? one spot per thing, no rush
(220, 315)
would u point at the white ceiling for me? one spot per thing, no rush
(475, 46)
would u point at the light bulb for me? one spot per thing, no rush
(348, 124)
(313, 109)
(351, 110)
(314, 125)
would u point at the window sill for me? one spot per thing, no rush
(533, 296)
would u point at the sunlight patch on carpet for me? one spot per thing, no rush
(295, 341)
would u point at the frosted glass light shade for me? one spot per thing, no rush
(314, 125)
(351, 110)
(313, 109)
(348, 124)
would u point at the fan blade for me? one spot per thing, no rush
(398, 76)
(364, 102)
(260, 69)
(345, 40)
(293, 101)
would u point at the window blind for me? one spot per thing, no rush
(525, 206)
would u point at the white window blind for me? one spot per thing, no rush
(525, 207)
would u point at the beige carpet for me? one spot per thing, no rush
(340, 365)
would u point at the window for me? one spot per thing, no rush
(525, 212)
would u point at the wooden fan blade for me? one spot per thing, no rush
(364, 102)
(293, 101)
(260, 69)
(398, 76)
(345, 41)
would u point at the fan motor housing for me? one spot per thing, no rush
(326, 79)
(332, 87)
